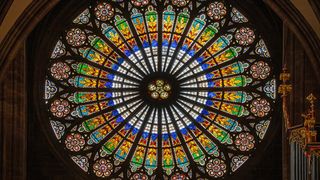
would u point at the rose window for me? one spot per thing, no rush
(159, 89)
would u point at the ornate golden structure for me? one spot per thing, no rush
(310, 121)
(305, 135)
(284, 89)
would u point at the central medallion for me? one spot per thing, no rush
(159, 89)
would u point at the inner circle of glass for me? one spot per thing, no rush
(160, 89)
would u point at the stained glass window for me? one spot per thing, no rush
(160, 89)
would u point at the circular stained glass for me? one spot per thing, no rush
(150, 89)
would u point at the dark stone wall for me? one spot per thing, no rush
(13, 121)
(42, 162)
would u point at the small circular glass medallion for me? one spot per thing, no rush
(159, 89)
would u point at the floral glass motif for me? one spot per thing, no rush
(216, 168)
(140, 3)
(216, 10)
(60, 70)
(104, 11)
(160, 89)
(180, 3)
(260, 70)
(260, 107)
(75, 142)
(102, 168)
(60, 108)
(76, 37)
(139, 176)
(244, 141)
(244, 36)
